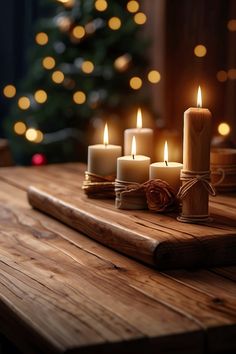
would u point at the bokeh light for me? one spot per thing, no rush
(140, 18)
(101, 5)
(41, 38)
(67, 3)
(114, 23)
(132, 6)
(223, 128)
(48, 63)
(9, 91)
(221, 75)
(39, 136)
(38, 159)
(19, 128)
(200, 51)
(34, 135)
(135, 83)
(24, 103)
(231, 25)
(58, 77)
(40, 96)
(78, 32)
(154, 76)
(122, 63)
(87, 67)
(64, 23)
(79, 97)
(31, 134)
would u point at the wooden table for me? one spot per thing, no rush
(61, 292)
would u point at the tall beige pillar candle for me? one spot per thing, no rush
(196, 158)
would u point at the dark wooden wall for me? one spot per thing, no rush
(186, 24)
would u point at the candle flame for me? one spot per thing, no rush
(139, 119)
(133, 147)
(166, 153)
(199, 97)
(105, 135)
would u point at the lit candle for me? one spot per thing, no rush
(133, 168)
(144, 138)
(167, 171)
(196, 159)
(102, 158)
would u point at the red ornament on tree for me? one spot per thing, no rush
(38, 160)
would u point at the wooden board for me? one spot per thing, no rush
(62, 292)
(155, 239)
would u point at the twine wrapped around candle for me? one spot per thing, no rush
(130, 195)
(96, 186)
(155, 195)
(191, 178)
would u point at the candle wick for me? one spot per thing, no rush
(105, 146)
(166, 163)
(133, 157)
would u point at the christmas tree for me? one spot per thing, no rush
(88, 60)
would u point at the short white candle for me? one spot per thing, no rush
(167, 171)
(144, 138)
(133, 168)
(102, 158)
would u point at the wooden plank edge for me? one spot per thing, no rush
(117, 239)
(190, 253)
(197, 254)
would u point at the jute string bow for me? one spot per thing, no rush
(191, 179)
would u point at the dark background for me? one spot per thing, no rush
(184, 24)
(16, 35)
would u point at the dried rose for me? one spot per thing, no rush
(160, 196)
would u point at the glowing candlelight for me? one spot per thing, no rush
(166, 153)
(105, 136)
(133, 148)
(199, 97)
(139, 119)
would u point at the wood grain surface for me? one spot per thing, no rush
(61, 292)
(155, 239)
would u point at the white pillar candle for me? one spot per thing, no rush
(144, 138)
(133, 168)
(167, 171)
(102, 158)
